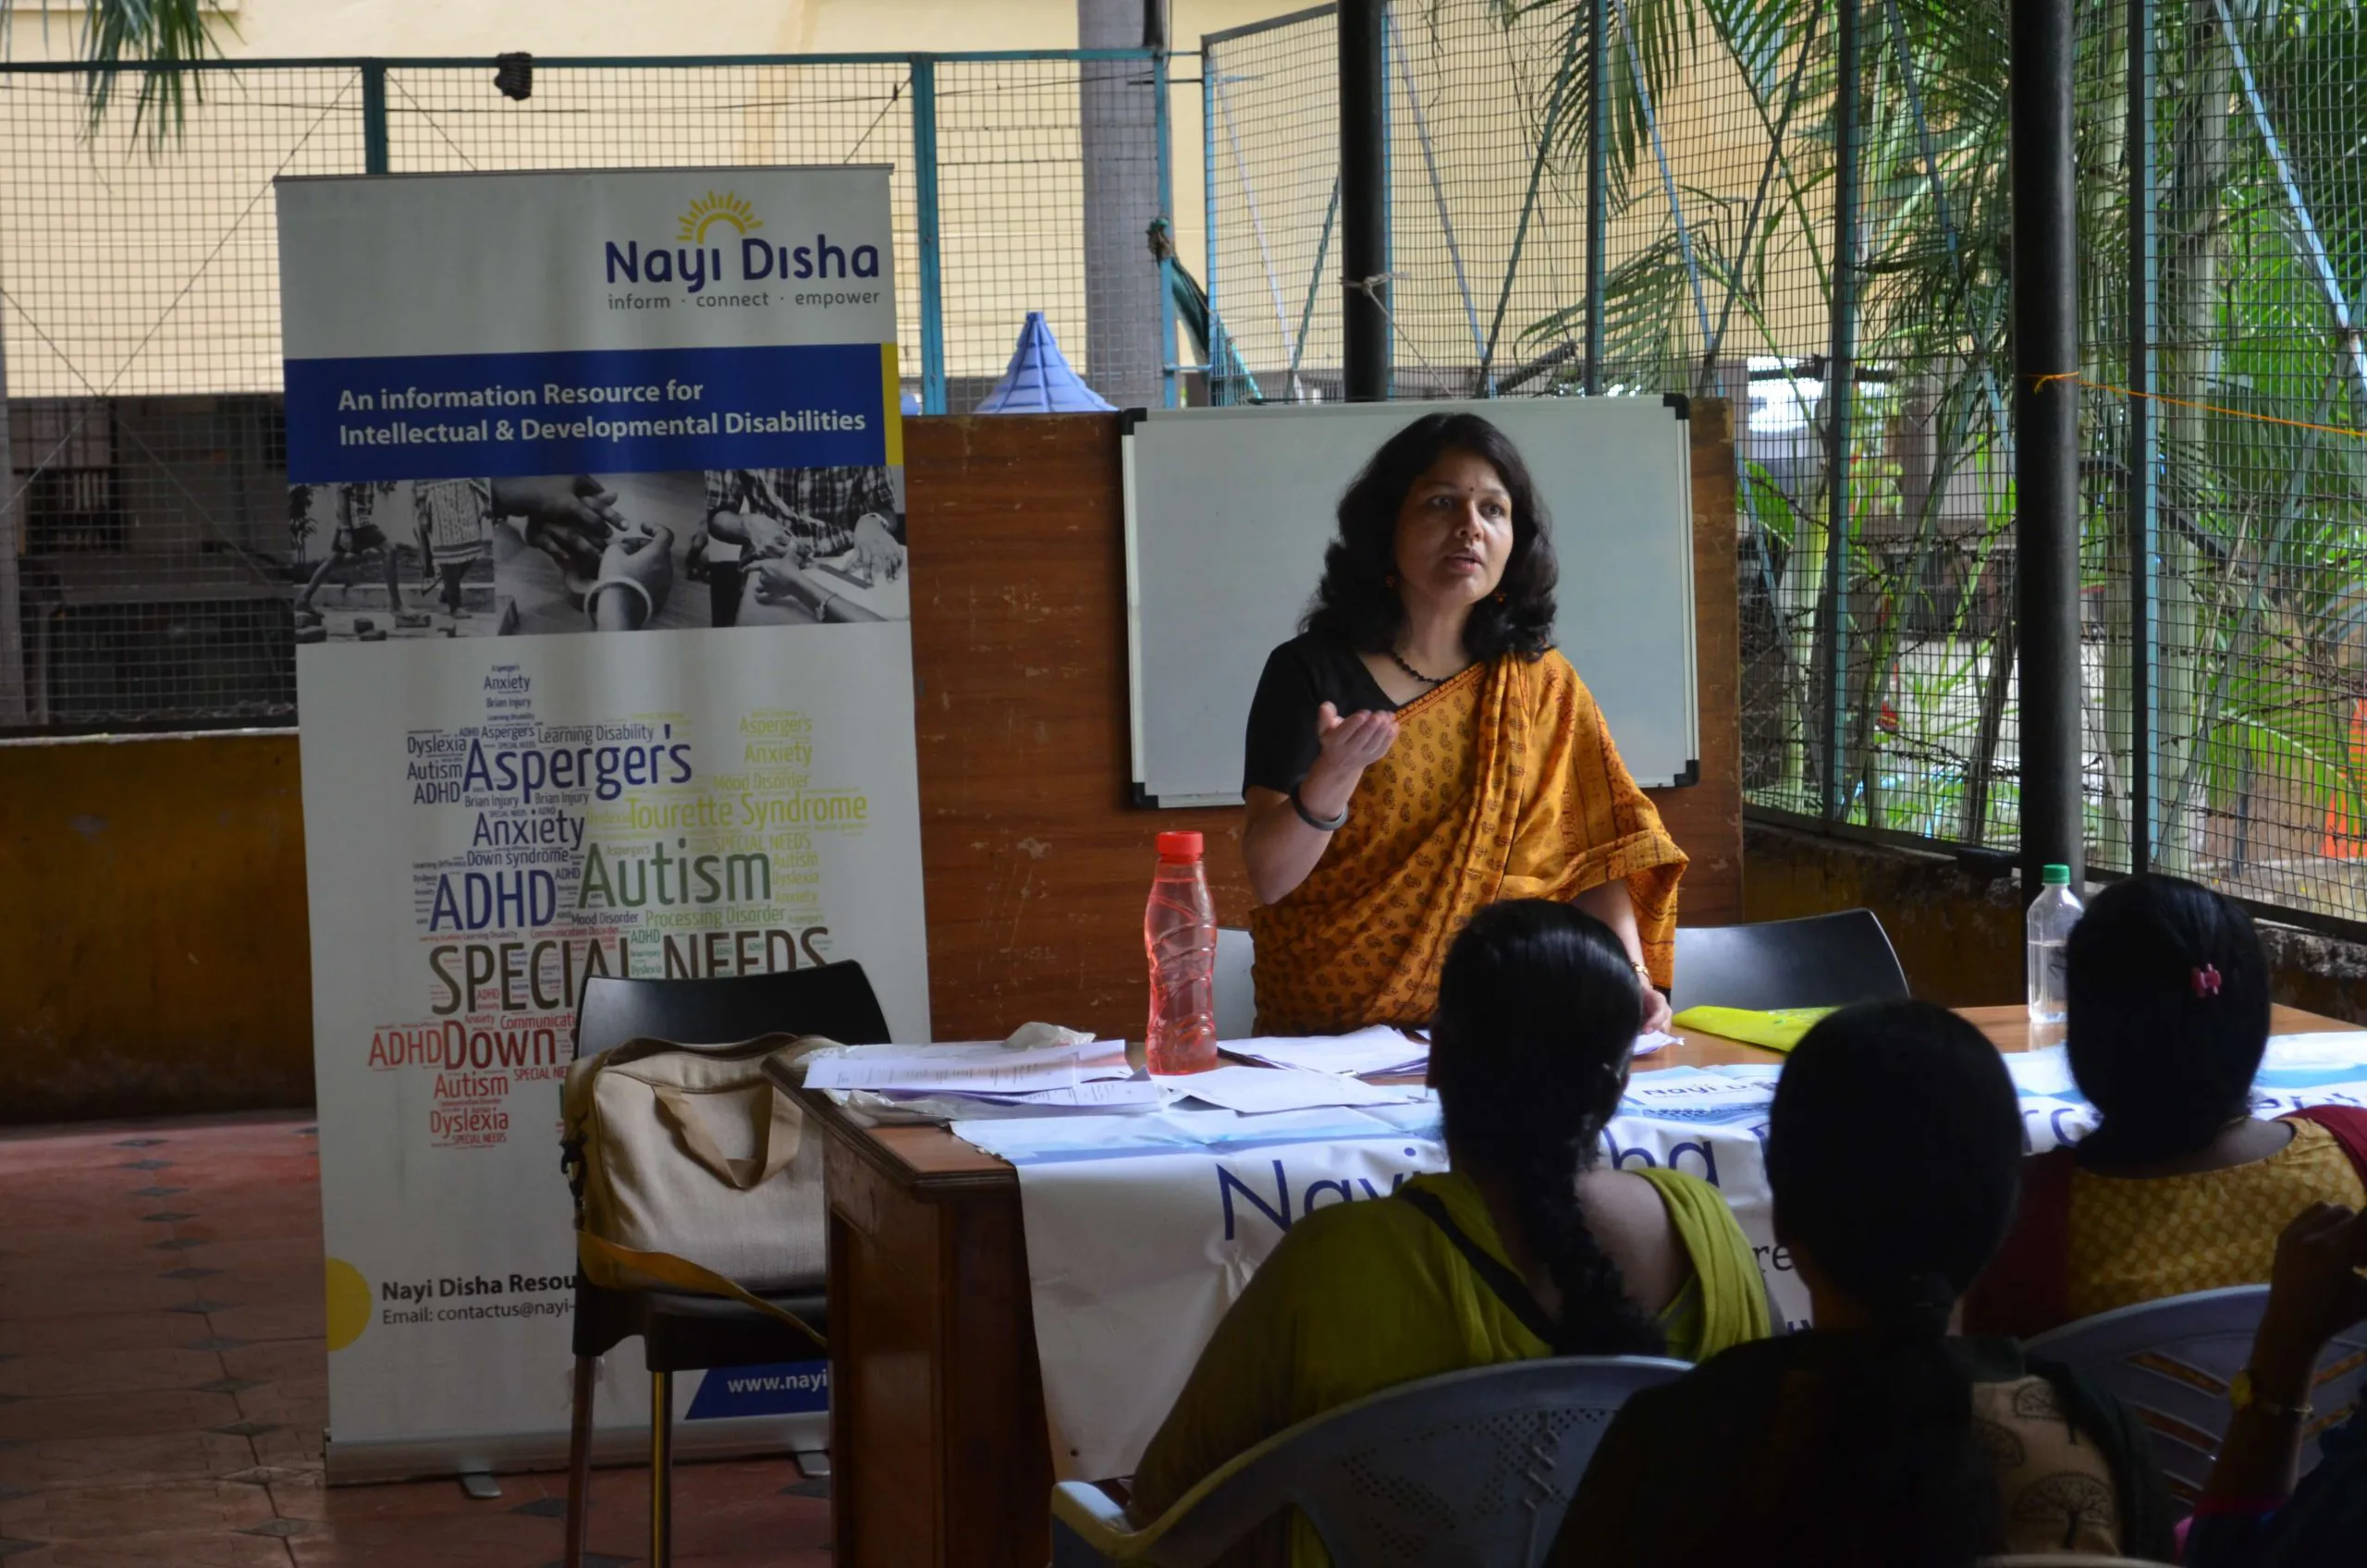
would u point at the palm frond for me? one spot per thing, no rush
(158, 41)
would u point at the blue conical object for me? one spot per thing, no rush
(1039, 380)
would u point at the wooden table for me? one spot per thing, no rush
(938, 1442)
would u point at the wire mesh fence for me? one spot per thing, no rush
(1633, 196)
(146, 484)
(2224, 257)
(145, 446)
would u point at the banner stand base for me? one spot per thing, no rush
(504, 1453)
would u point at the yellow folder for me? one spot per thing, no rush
(1778, 1029)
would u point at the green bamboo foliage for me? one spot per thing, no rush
(2261, 635)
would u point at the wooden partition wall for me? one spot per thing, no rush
(1036, 866)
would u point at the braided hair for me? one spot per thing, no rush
(1536, 1016)
(1894, 1149)
(2168, 1016)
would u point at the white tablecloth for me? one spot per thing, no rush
(1134, 1254)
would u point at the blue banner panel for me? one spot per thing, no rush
(636, 411)
(791, 1388)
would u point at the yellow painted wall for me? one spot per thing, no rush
(291, 28)
(153, 952)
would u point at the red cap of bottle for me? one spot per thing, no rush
(1179, 846)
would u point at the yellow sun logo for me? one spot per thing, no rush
(712, 209)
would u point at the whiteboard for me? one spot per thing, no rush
(1227, 513)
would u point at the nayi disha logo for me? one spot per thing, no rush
(702, 256)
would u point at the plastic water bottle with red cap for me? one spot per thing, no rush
(1180, 935)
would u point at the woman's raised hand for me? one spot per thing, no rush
(1346, 747)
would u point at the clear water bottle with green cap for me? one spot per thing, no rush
(2053, 914)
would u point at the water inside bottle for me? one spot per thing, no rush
(1179, 938)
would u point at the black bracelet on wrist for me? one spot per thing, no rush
(1320, 824)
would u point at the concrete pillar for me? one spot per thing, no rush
(1118, 115)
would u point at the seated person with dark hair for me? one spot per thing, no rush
(2180, 1189)
(2253, 1513)
(1879, 1438)
(1523, 1248)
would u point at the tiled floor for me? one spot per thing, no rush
(163, 1383)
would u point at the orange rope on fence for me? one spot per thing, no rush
(2039, 382)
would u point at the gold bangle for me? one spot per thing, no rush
(2243, 1394)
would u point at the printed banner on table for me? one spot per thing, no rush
(596, 495)
(1133, 1258)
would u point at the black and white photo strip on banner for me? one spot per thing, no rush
(619, 551)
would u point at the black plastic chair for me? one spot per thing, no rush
(1819, 960)
(680, 1332)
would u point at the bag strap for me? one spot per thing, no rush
(782, 1132)
(2027, 1288)
(779, 1149)
(682, 1274)
(2348, 1125)
(1508, 1286)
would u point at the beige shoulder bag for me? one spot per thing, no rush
(691, 1171)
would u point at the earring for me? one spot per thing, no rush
(1391, 580)
(1500, 595)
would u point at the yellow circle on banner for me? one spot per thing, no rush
(349, 1303)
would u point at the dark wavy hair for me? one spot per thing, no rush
(1537, 1015)
(1893, 1154)
(2166, 1060)
(1355, 601)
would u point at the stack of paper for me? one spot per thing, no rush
(1379, 1049)
(1055, 1077)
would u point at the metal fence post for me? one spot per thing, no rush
(1840, 404)
(1598, 184)
(1364, 199)
(1218, 392)
(374, 116)
(1167, 350)
(2144, 444)
(2046, 432)
(925, 221)
(16, 699)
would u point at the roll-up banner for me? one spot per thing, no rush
(604, 666)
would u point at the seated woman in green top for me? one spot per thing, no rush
(1537, 1018)
(1880, 1438)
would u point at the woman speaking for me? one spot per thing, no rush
(1420, 751)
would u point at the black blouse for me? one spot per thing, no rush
(1301, 676)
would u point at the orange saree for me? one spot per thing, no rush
(1503, 784)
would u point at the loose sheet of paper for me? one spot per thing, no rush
(1262, 1089)
(1082, 1135)
(973, 1068)
(1690, 1094)
(1376, 1050)
(1111, 1092)
(2047, 1071)
(2331, 1048)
